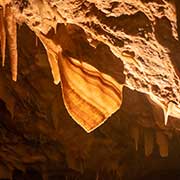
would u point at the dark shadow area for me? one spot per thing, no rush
(64, 175)
(162, 175)
(5, 115)
(17, 175)
(32, 174)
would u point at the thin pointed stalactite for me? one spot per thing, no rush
(162, 141)
(171, 107)
(2, 35)
(166, 114)
(36, 41)
(54, 67)
(11, 28)
(167, 111)
(134, 132)
(148, 142)
(161, 111)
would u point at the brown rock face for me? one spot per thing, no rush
(111, 68)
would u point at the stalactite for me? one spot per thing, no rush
(148, 142)
(171, 110)
(159, 109)
(97, 176)
(162, 142)
(54, 67)
(134, 131)
(11, 27)
(89, 95)
(167, 112)
(36, 41)
(51, 50)
(2, 34)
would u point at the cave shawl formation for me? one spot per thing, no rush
(110, 60)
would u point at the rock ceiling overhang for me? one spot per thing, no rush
(140, 59)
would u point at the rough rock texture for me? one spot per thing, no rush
(125, 51)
